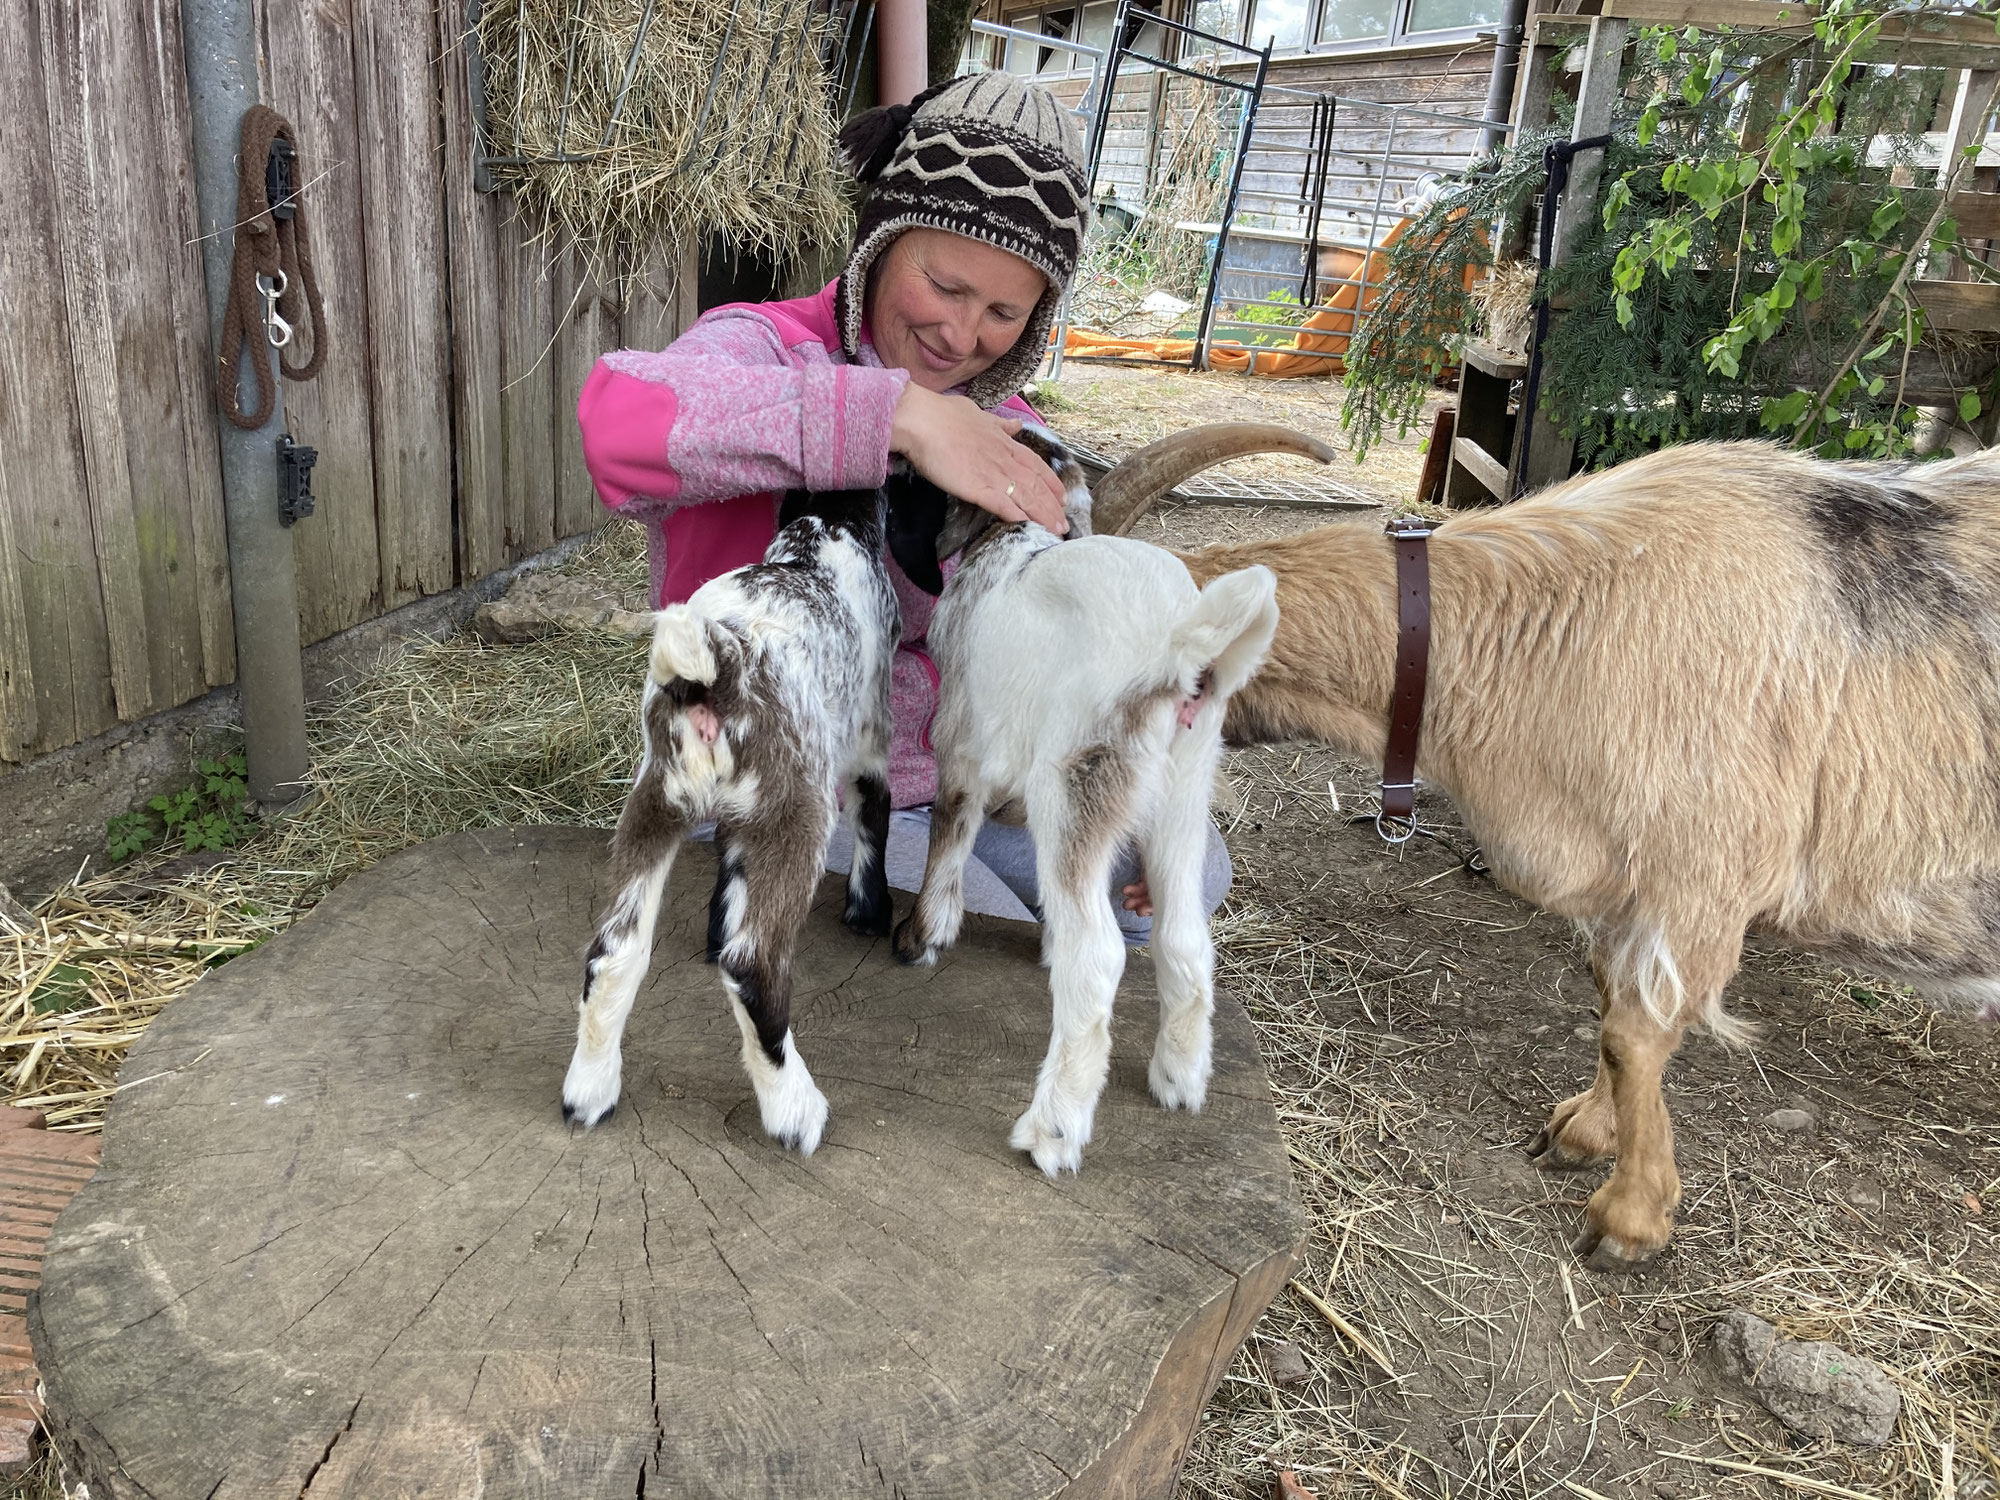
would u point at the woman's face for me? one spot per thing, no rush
(945, 307)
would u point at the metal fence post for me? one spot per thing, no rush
(220, 41)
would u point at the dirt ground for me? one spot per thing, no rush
(1116, 408)
(1418, 1023)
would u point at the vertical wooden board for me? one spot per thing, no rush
(472, 228)
(337, 551)
(41, 461)
(141, 204)
(654, 297)
(18, 718)
(193, 349)
(408, 344)
(586, 326)
(80, 115)
(527, 390)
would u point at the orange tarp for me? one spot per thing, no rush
(1325, 332)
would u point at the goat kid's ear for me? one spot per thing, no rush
(917, 510)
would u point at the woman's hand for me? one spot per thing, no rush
(972, 454)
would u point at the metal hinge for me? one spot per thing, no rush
(295, 466)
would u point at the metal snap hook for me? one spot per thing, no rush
(271, 288)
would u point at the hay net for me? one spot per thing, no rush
(640, 126)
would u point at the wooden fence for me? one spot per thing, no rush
(444, 416)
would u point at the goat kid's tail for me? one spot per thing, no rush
(681, 647)
(1229, 629)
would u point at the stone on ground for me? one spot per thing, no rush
(1815, 1388)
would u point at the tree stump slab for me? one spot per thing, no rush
(342, 1243)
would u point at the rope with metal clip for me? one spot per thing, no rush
(271, 281)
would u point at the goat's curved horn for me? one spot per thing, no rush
(1125, 494)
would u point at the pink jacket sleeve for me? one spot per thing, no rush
(727, 409)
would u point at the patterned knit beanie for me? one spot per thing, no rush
(986, 156)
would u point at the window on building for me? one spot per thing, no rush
(1357, 20)
(1285, 24)
(1452, 15)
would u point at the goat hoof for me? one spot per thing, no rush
(870, 920)
(1181, 1084)
(1051, 1147)
(1610, 1253)
(590, 1090)
(909, 948)
(795, 1113)
(1581, 1130)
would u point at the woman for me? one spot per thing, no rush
(919, 349)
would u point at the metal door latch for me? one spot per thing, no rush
(295, 466)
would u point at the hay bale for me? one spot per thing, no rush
(1506, 302)
(726, 125)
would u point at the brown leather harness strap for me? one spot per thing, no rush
(1411, 535)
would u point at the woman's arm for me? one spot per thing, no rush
(727, 410)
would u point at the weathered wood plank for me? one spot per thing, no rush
(142, 227)
(338, 552)
(80, 117)
(472, 227)
(587, 326)
(1978, 215)
(1966, 306)
(655, 298)
(18, 717)
(194, 356)
(527, 393)
(1740, 13)
(41, 459)
(408, 339)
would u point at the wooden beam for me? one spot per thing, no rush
(1482, 466)
(1595, 102)
(1978, 215)
(1965, 306)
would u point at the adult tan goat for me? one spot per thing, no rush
(1720, 688)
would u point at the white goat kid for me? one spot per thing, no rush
(768, 692)
(1086, 682)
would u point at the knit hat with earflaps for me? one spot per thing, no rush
(986, 156)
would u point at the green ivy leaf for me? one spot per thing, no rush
(1969, 406)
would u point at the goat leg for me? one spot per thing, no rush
(1183, 951)
(870, 910)
(649, 834)
(1077, 819)
(932, 925)
(772, 871)
(1631, 1216)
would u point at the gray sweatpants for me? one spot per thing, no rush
(1000, 876)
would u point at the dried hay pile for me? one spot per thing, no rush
(726, 125)
(446, 735)
(1506, 302)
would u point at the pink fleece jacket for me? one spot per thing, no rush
(701, 439)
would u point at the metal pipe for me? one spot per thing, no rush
(1506, 65)
(219, 38)
(902, 50)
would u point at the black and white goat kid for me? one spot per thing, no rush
(767, 696)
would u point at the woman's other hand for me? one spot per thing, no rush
(971, 454)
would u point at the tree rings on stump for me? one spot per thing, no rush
(344, 1245)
